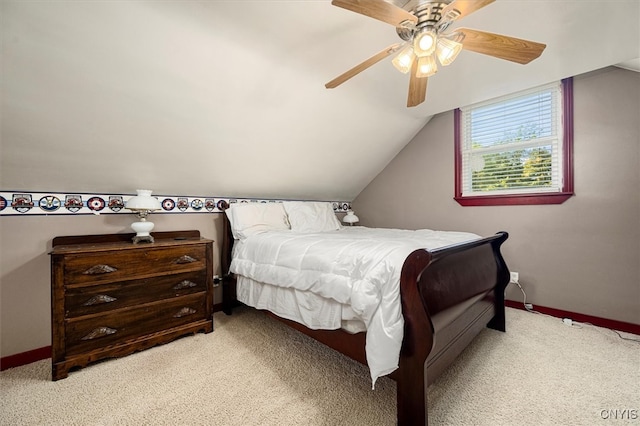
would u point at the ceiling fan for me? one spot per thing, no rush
(423, 31)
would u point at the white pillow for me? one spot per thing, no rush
(248, 219)
(306, 216)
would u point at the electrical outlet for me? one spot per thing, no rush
(216, 280)
(515, 277)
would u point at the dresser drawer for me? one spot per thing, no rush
(95, 268)
(106, 297)
(97, 331)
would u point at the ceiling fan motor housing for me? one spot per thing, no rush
(430, 18)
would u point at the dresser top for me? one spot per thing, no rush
(106, 242)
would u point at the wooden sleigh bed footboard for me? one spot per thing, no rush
(448, 296)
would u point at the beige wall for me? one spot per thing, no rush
(582, 256)
(25, 289)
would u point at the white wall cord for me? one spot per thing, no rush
(527, 306)
(571, 323)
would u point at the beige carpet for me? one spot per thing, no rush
(253, 370)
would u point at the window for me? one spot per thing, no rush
(517, 149)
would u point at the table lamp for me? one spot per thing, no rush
(142, 205)
(350, 218)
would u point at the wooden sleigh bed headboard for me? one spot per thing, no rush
(448, 296)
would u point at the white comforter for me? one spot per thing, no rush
(356, 267)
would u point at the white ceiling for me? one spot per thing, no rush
(227, 98)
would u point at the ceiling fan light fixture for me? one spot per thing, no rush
(447, 51)
(424, 44)
(426, 66)
(404, 59)
(426, 41)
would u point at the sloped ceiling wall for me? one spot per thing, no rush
(227, 98)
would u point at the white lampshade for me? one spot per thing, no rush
(142, 205)
(143, 201)
(350, 218)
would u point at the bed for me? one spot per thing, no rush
(436, 299)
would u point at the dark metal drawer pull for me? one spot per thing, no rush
(185, 259)
(184, 312)
(184, 284)
(99, 332)
(99, 299)
(100, 269)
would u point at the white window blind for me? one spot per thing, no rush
(513, 144)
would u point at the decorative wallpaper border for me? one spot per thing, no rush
(47, 203)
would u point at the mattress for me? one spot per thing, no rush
(324, 280)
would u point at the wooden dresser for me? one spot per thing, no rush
(110, 297)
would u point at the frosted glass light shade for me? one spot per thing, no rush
(424, 43)
(350, 218)
(447, 51)
(404, 59)
(427, 66)
(143, 201)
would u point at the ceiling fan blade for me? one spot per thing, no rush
(377, 9)
(362, 66)
(417, 87)
(500, 46)
(465, 7)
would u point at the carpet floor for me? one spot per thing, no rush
(253, 370)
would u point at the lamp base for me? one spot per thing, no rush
(142, 229)
(143, 239)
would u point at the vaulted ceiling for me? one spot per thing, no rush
(227, 98)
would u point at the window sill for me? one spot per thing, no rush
(514, 200)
